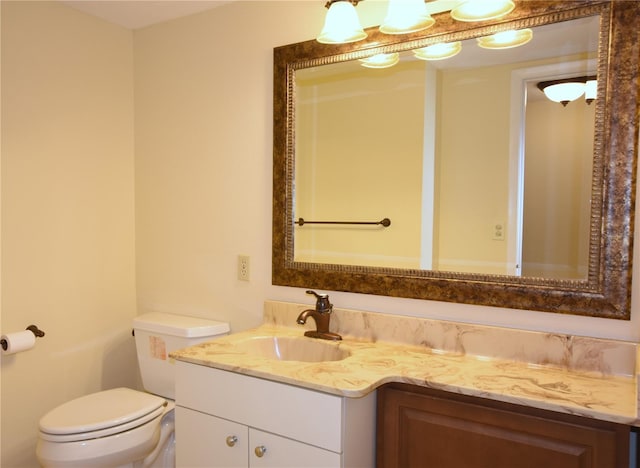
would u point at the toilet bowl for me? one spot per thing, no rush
(122, 427)
(110, 428)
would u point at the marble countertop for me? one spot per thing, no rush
(371, 364)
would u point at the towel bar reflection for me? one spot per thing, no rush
(386, 222)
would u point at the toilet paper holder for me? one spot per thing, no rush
(32, 328)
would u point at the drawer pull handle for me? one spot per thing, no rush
(260, 451)
(231, 440)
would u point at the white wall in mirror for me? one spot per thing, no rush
(379, 114)
(557, 189)
(442, 149)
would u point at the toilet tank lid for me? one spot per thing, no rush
(179, 325)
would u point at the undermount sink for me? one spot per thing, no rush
(287, 348)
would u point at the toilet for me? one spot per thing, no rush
(122, 427)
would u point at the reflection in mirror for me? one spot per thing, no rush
(495, 195)
(434, 146)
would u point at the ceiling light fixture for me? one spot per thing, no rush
(481, 10)
(506, 39)
(342, 24)
(406, 16)
(569, 89)
(591, 90)
(381, 60)
(440, 51)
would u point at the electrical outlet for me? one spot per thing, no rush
(243, 267)
(498, 231)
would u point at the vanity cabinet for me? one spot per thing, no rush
(224, 419)
(419, 427)
(206, 440)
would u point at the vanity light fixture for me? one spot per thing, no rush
(506, 39)
(440, 51)
(342, 24)
(406, 16)
(381, 60)
(569, 89)
(482, 10)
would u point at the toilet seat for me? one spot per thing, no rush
(100, 415)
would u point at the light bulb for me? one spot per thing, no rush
(481, 10)
(506, 39)
(341, 24)
(406, 16)
(381, 60)
(441, 51)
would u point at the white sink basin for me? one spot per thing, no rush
(287, 348)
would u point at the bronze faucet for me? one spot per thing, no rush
(321, 315)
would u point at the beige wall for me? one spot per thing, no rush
(0, 229)
(203, 173)
(203, 100)
(203, 140)
(67, 212)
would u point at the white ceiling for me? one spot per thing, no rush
(134, 14)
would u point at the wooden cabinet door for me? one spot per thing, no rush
(204, 441)
(425, 428)
(279, 452)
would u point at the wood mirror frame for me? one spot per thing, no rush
(607, 290)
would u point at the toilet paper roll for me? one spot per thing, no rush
(19, 341)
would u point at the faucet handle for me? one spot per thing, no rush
(322, 302)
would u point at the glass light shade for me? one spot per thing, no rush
(591, 91)
(381, 60)
(341, 25)
(481, 10)
(564, 92)
(406, 16)
(506, 39)
(441, 51)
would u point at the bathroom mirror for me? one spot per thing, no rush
(452, 200)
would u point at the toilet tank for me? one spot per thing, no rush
(157, 334)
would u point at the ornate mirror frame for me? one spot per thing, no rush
(607, 290)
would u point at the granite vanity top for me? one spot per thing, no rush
(586, 386)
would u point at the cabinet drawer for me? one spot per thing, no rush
(287, 453)
(201, 440)
(305, 415)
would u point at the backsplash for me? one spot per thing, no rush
(576, 353)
